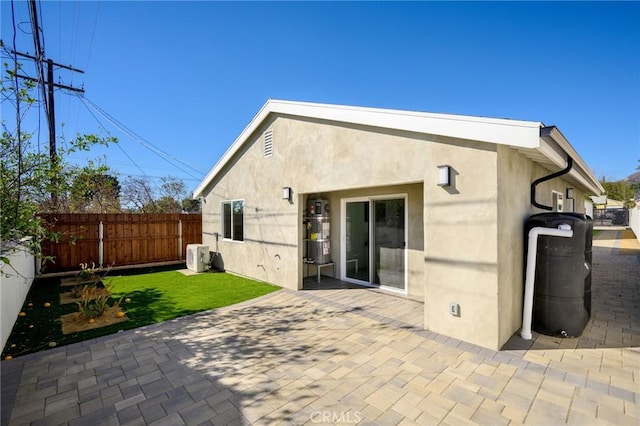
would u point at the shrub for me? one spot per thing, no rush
(87, 273)
(76, 291)
(94, 301)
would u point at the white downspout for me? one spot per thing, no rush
(564, 230)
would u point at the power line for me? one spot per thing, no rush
(159, 152)
(123, 151)
(93, 32)
(38, 58)
(47, 87)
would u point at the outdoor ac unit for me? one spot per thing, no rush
(197, 257)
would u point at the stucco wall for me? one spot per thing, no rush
(460, 243)
(17, 278)
(634, 220)
(314, 158)
(465, 242)
(515, 174)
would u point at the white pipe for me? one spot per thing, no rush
(563, 230)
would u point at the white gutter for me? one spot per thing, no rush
(563, 230)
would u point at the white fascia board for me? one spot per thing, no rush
(517, 133)
(494, 130)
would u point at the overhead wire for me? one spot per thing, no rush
(91, 107)
(149, 195)
(39, 54)
(159, 152)
(123, 151)
(15, 82)
(93, 32)
(41, 25)
(76, 24)
(59, 28)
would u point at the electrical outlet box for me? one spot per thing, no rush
(454, 309)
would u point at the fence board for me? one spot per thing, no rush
(129, 239)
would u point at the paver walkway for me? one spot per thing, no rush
(335, 356)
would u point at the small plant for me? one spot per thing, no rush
(87, 273)
(76, 291)
(94, 301)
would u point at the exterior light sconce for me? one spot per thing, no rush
(287, 193)
(569, 193)
(444, 175)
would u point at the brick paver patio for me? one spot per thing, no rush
(340, 356)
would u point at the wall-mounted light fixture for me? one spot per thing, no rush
(444, 175)
(569, 193)
(287, 193)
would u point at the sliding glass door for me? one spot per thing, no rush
(389, 243)
(356, 265)
(374, 241)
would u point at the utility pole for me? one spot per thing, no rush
(50, 105)
(48, 95)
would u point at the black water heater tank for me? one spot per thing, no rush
(562, 286)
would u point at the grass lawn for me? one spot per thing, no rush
(166, 295)
(155, 296)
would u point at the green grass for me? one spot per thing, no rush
(155, 297)
(166, 295)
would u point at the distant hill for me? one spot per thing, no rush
(633, 177)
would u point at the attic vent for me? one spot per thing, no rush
(268, 143)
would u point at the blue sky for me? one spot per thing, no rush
(188, 76)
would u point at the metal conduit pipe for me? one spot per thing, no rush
(563, 230)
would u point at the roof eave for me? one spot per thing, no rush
(518, 133)
(552, 141)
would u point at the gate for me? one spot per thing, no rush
(611, 216)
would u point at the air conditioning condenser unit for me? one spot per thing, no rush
(197, 257)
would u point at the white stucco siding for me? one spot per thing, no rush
(324, 157)
(460, 243)
(311, 157)
(270, 223)
(465, 242)
(515, 175)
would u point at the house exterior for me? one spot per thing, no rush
(392, 223)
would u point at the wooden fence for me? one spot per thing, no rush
(119, 239)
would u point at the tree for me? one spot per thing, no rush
(172, 192)
(140, 195)
(168, 205)
(28, 176)
(620, 191)
(137, 194)
(190, 205)
(94, 190)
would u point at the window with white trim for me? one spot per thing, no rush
(233, 220)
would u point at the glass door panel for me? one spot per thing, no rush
(389, 243)
(357, 241)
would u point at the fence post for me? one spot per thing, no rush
(100, 244)
(179, 239)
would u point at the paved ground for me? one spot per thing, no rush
(340, 356)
